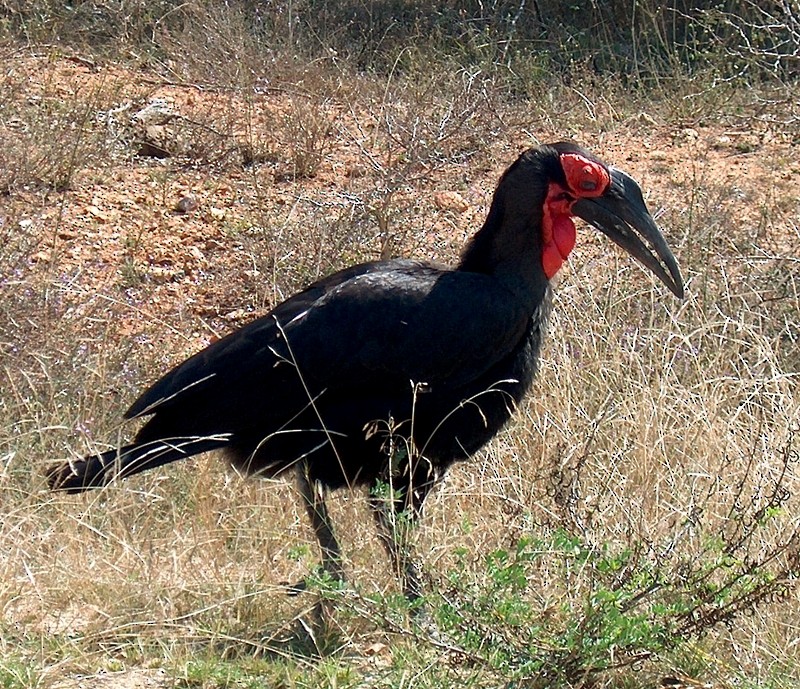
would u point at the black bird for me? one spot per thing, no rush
(386, 373)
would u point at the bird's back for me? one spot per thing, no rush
(380, 353)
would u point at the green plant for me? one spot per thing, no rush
(610, 606)
(17, 674)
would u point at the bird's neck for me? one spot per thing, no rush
(509, 247)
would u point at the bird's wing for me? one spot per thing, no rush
(384, 324)
(422, 326)
(243, 350)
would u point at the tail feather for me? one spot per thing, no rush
(96, 471)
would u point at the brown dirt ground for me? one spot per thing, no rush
(124, 210)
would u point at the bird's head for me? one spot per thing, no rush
(580, 184)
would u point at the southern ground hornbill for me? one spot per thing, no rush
(386, 373)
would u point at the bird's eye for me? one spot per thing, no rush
(588, 181)
(585, 177)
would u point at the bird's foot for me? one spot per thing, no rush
(295, 589)
(331, 577)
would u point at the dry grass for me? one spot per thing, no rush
(654, 424)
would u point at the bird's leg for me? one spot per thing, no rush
(314, 499)
(396, 515)
(393, 531)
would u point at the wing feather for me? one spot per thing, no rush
(376, 326)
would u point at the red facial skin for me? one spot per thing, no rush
(585, 179)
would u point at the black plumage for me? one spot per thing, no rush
(388, 371)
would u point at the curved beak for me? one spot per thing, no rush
(621, 214)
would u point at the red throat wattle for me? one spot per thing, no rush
(585, 179)
(558, 230)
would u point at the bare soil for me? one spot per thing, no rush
(123, 214)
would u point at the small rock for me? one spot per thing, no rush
(157, 112)
(687, 135)
(217, 213)
(155, 142)
(41, 257)
(723, 141)
(375, 648)
(96, 212)
(451, 201)
(162, 274)
(187, 204)
(236, 315)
